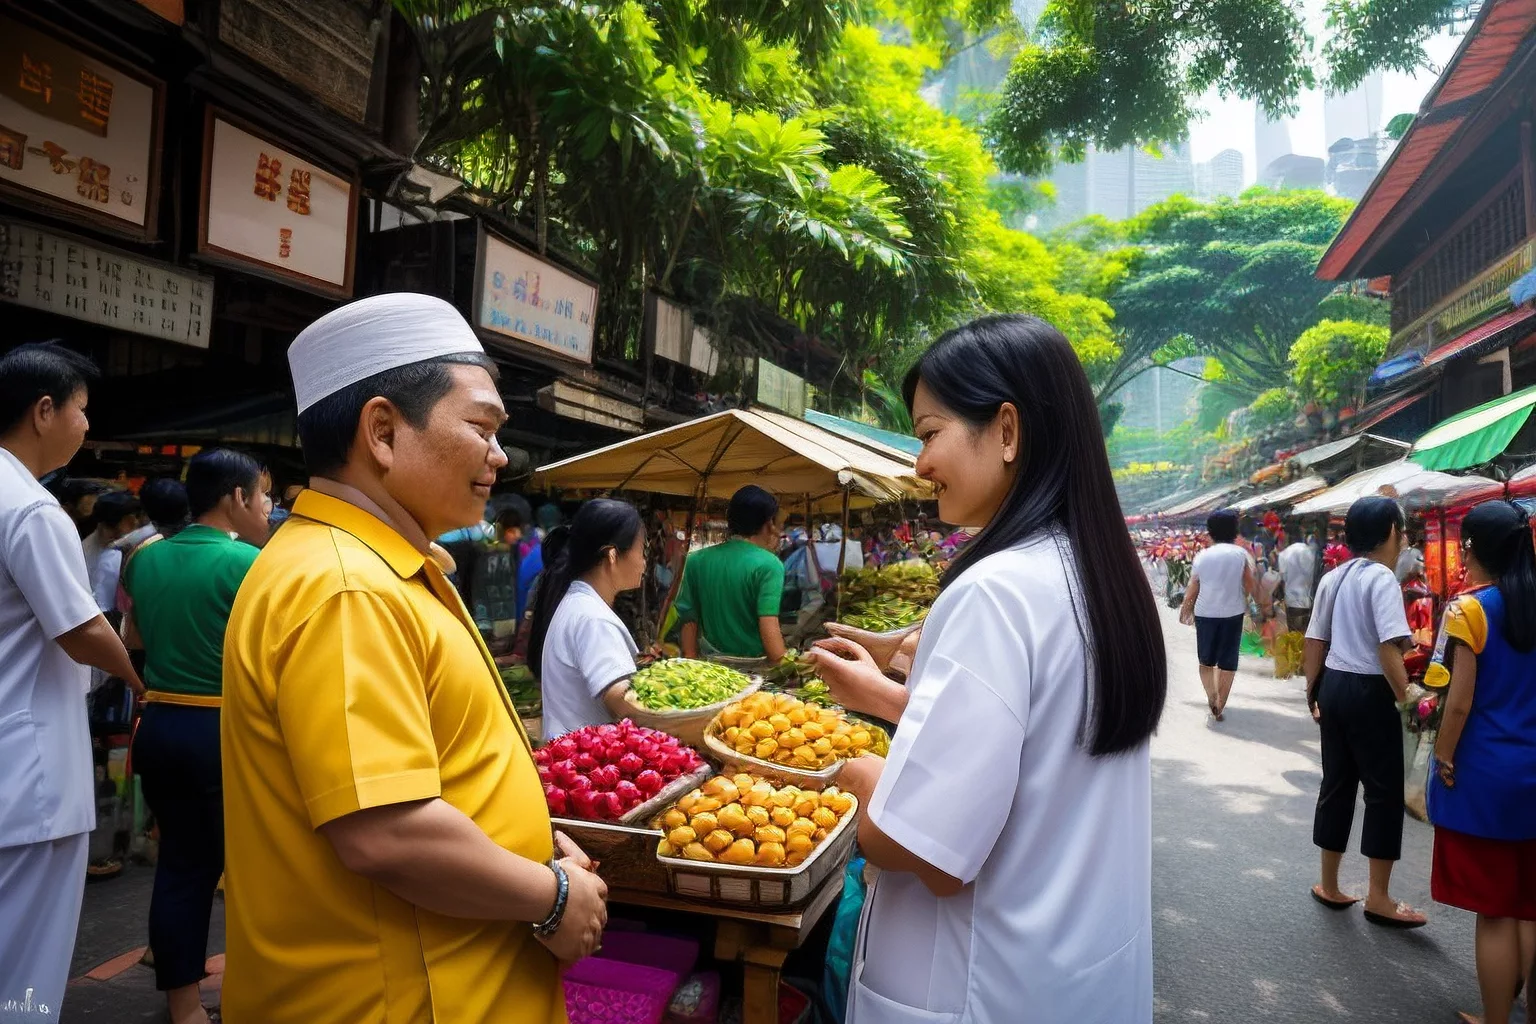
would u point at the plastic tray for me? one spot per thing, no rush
(771, 888)
(670, 794)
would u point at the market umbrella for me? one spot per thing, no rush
(1412, 485)
(1476, 436)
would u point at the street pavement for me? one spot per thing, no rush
(1237, 937)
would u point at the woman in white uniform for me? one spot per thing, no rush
(579, 648)
(1012, 819)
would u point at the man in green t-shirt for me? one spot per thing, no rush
(731, 592)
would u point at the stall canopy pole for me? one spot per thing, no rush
(677, 580)
(842, 556)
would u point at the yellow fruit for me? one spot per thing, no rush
(824, 817)
(797, 716)
(829, 720)
(722, 789)
(730, 717)
(759, 816)
(743, 783)
(859, 738)
(783, 702)
(841, 742)
(681, 836)
(761, 730)
(792, 738)
(703, 823)
(666, 849)
(745, 744)
(820, 834)
(731, 735)
(813, 731)
(779, 723)
(673, 818)
(770, 855)
(706, 803)
(735, 819)
(697, 851)
(718, 840)
(804, 754)
(822, 747)
(687, 803)
(799, 843)
(759, 795)
(841, 803)
(807, 803)
(766, 748)
(782, 816)
(801, 826)
(769, 834)
(742, 851)
(784, 797)
(794, 860)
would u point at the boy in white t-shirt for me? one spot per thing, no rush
(1220, 581)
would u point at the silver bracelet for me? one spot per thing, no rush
(551, 924)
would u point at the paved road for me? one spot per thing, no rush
(1237, 938)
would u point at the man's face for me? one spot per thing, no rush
(61, 428)
(443, 473)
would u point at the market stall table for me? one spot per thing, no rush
(760, 940)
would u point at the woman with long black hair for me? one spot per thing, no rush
(1355, 676)
(578, 647)
(1482, 791)
(1012, 820)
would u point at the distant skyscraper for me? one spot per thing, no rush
(1271, 141)
(1356, 114)
(1221, 175)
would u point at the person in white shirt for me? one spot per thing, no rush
(1410, 563)
(1011, 823)
(117, 514)
(51, 634)
(1355, 676)
(1220, 580)
(1298, 567)
(578, 647)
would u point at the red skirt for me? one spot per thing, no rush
(1493, 877)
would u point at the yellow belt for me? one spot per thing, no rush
(186, 700)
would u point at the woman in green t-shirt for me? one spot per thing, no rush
(182, 589)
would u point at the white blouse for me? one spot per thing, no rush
(988, 782)
(586, 650)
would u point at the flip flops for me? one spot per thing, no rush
(1319, 896)
(1395, 921)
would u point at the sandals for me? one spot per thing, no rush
(1396, 920)
(1332, 904)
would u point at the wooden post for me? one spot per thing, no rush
(842, 557)
(677, 580)
(1528, 176)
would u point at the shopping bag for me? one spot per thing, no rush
(1416, 778)
(845, 935)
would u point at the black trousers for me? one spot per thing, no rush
(176, 754)
(1362, 745)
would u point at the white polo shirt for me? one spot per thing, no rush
(46, 775)
(1359, 607)
(586, 650)
(987, 781)
(1220, 568)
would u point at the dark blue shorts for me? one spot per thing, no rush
(1218, 641)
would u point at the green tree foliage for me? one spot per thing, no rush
(1272, 410)
(1334, 358)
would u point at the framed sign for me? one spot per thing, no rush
(78, 133)
(265, 207)
(43, 270)
(518, 295)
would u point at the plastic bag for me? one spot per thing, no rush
(1416, 780)
(845, 935)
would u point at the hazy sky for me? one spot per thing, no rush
(1230, 123)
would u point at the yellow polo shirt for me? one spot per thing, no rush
(353, 678)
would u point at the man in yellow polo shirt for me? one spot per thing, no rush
(389, 854)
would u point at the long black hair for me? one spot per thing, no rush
(1064, 481)
(1499, 533)
(570, 552)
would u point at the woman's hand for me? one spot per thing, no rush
(855, 680)
(1447, 772)
(859, 777)
(881, 646)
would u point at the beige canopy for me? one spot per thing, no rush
(726, 451)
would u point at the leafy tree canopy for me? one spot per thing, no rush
(1334, 358)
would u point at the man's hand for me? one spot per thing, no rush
(586, 906)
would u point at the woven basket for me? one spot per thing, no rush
(687, 725)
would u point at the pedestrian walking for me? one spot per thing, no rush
(182, 590)
(1355, 675)
(1221, 579)
(581, 650)
(1012, 820)
(1482, 786)
(389, 853)
(1298, 567)
(51, 635)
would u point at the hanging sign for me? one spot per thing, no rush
(522, 296)
(264, 206)
(78, 131)
(42, 270)
(779, 389)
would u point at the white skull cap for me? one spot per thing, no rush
(372, 335)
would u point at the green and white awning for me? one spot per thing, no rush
(1476, 436)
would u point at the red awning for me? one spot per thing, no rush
(1478, 64)
(1451, 349)
(1372, 417)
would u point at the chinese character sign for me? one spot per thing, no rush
(272, 207)
(73, 127)
(523, 297)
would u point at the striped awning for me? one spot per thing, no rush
(1476, 436)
